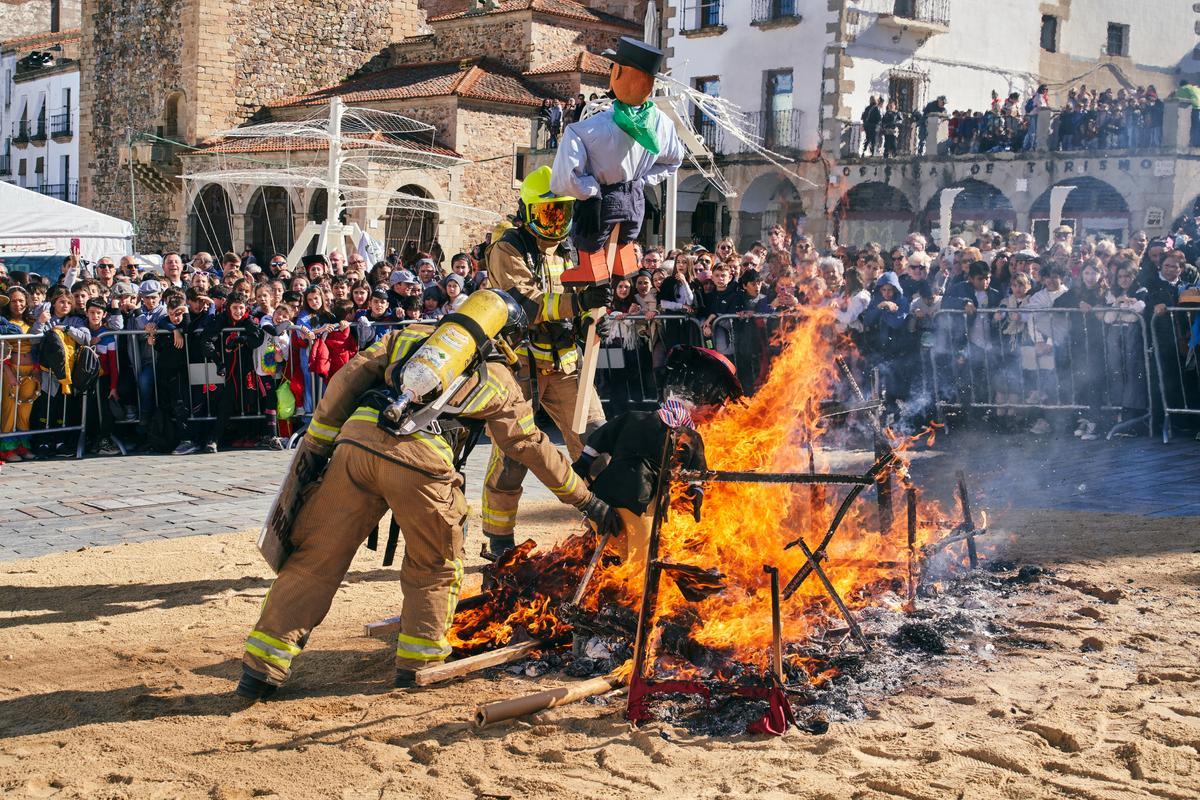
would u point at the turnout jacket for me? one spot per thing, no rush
(530, 269)
(342, 419)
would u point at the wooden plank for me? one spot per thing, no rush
(465, 666)
(382, 628)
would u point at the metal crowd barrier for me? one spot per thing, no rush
(630, 369)
(1054, 359)
(1176, 345)
(58, 415)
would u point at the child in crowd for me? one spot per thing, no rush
(341, 340)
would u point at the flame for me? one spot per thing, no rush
(746, 526)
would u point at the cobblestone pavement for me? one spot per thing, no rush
(60, 505)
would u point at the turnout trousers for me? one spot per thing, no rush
(338, 514)
(502, 486)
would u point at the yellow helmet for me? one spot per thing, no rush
(547, 215)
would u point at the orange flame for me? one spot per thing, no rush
(746, 525)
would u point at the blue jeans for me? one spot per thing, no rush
(146, 391)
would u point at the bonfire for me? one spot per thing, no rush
(759, 598)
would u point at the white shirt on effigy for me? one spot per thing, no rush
(594, 152)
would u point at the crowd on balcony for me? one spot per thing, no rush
(1089, 119)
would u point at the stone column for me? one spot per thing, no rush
(1043, 118)
(933, 133)
(1177, 124)
(237, 231)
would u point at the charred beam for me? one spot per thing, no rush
(733, 476)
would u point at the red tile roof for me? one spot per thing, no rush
(279, 144)
(570, 9)
(476, 80)
(583, 61)
(41, 40)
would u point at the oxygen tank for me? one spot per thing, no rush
(448, 351)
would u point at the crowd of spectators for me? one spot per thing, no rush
(201, 352)
(1001, 361)
(1089, 119)
(206, 353)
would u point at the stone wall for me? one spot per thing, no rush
(24, 17)
(118, 95)
(554, 38)
(503, 38)
(485, 132)
(225, 59)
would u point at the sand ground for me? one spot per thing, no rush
(118, 663)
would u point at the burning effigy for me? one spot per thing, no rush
(756, 601)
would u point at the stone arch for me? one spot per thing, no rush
(269, 225)
(873, 211)
(771, 198)
(173, 116)
(211, 220)
(1094, 207)
(316, 208)
(410, 229)
(980, 203)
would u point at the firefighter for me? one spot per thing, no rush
(392, 431)
(525, 262)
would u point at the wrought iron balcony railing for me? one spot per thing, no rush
(60, 124)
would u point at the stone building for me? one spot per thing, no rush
(39, 112)
(805, 69)
(209, 65)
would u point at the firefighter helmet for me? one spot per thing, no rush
(548, 216)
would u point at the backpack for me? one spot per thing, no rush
(1029, 106)
(85, 370)
(163, 434)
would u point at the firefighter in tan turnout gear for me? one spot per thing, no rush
(525, 262)
(392, 431)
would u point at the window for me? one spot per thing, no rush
(903, 92)
(1118, 39)
(64, 168)
(1050, 33)
(66, 98)
(701, 14)
(778, 121)
(704, 126)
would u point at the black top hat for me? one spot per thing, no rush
(634, 53)
(308, 261)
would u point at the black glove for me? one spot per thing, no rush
(696, 494)
(583, 466)
(594, 297)
(600, 514)
(603, 325)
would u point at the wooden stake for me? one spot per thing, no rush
(591, 347)
(776, 625)
(964, 499)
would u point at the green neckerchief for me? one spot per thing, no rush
(638, 122)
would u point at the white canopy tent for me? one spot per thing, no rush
(32, 222)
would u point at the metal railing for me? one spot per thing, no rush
(60, 124)
(21, 131)
(935, 11)
(39, 133)
(699, 15)
(60, 191)
(1049, 360)
(32, 404)
(5, 164)
(777, 130)
(631, 364)
(770, 10)
(1176, 345)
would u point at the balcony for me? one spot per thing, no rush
(926, 17)
(21, 132)
(775, 13)
(38, 136)
(702, 18)
(6, 165)
(60, 125)
(60, 191)
(780, 131)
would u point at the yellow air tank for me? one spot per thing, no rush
(449, 349)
